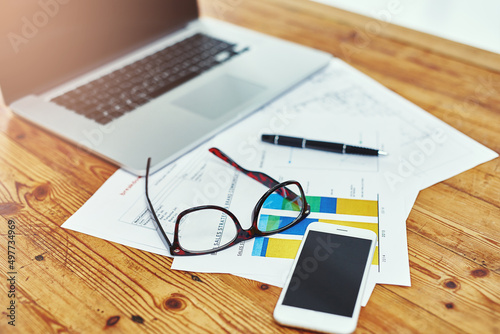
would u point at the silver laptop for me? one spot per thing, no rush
(132, 79)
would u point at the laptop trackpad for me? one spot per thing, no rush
(219, 96)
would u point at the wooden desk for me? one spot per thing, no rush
(71, 282)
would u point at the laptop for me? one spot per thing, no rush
(132, 79)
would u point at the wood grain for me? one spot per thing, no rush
(68, 282)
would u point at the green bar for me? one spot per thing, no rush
(314, 202)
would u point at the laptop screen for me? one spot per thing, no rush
(43, 43)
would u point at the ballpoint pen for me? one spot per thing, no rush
(320, 145)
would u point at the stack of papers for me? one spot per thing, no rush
(339, 104)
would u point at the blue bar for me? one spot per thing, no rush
(328, 205)
(262, 224)
(264, 247)
(260, 246)
(300, 228)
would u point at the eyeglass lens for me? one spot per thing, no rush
(280, 209)
(210, 229)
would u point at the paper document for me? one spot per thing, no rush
(339, 104)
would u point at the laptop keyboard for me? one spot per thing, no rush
(123, 90)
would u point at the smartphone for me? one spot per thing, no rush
(324, 288)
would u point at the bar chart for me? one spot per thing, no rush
(323, 209)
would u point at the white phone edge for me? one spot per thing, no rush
(294, 316)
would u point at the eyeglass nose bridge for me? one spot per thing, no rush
(245, 234)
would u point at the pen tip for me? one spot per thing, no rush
(382, 153)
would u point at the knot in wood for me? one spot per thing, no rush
(138, 319)
(175, 304)
(112, 320)
(41, 191)
(481, 272)
(451, 284)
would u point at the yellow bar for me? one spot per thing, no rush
(282, 248)
(358, 207)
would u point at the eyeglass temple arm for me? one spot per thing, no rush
(258, 176)
(163, 235)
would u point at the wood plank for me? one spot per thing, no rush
(65, 158)
(481, 182)
(35, 186)
(463, 224)
(451, 287)
(369, 28)
(389, 312)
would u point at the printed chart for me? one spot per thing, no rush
(350, 212)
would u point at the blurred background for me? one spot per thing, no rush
(471, 22)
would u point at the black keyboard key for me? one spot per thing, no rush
(179, 81)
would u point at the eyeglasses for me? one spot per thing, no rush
(210, 228)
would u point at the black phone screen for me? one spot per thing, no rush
(328, 274)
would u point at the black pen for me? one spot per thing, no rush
(320, 145)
